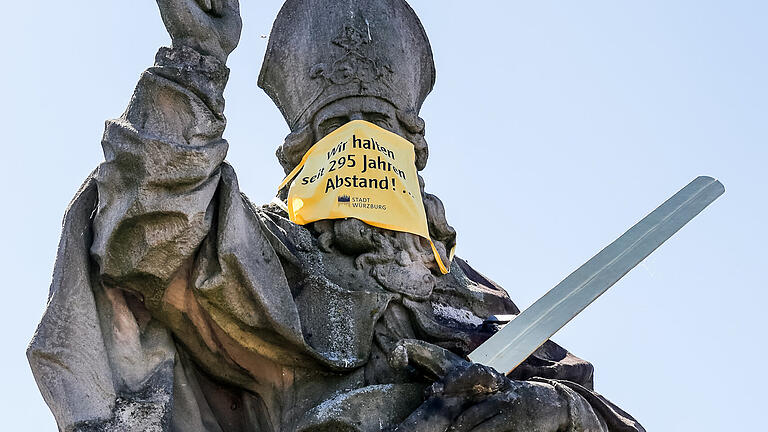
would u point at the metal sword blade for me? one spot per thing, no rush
(509, 347)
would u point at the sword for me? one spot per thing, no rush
(524, 334)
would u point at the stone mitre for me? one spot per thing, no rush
(372, 48)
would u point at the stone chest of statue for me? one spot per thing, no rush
(178, 305)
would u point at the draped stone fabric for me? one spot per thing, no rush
(177, 305)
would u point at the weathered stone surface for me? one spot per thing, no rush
(177, 305)
(323, 50)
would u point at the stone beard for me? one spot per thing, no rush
(178, 305)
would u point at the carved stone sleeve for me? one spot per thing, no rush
(162, 168)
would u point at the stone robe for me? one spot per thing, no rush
(177, 305)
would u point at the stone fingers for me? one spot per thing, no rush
(224, 8)
(232, 5)
(528, 406)
(434, 360)
(480, 413)
(231, 23)
(180, 16)
(434, 415)
(180, 6)
(217, 7)
(205, 5)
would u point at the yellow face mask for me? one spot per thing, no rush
(360, 171)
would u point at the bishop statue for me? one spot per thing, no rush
(179, 305)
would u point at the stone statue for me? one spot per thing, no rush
(178, 305)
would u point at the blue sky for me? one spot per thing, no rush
(554, 126)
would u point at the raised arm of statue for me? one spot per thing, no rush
(140, 217)
(163, 155)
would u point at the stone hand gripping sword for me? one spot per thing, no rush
(524, 334)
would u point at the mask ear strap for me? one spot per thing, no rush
(278, 202)
(297, 169)
(296, 144)
(443, 268)
(292, 174)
